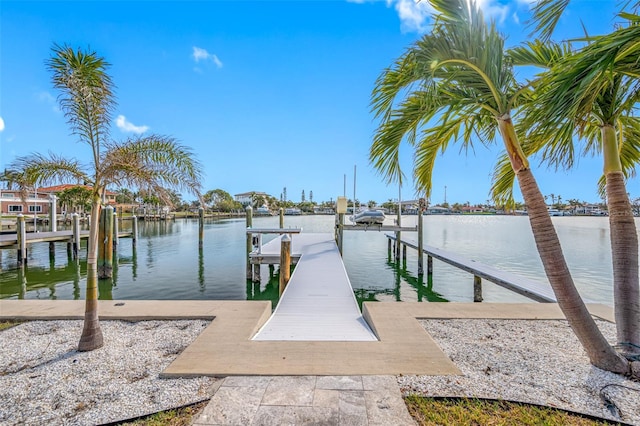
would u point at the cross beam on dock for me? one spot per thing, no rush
(535, 290)
(9, 241)
(375, 227)
(318, 303)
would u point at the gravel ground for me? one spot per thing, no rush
(45, 380)
(538, 362)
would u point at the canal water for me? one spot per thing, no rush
(167, 263)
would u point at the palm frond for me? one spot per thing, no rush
(86, 93)
(152, 162)
(39, 170)
(546, 14)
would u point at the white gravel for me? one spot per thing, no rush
(536, 361)
(45, 380)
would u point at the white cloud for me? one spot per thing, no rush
(200, 54)
(48, 98)
(413, 15)
(493, 9)
(1, 124)
(127, 126)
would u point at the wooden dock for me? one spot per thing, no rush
(535, 290)
(318, 303)
(9, 241)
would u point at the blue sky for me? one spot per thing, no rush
(267, 94)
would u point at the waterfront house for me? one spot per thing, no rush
(246, 198)
(12, 202)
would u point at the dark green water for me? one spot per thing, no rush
(167, 263)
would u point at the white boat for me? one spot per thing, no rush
(263, 211)
(292, 211)
(368, 217)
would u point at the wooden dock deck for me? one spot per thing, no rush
(8, 241)
(318, 303)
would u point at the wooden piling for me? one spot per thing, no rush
(116, 229)
(429, 267)
(200, 227)
(404, 255)
(134, 231)
(340, 231)
(281, 212)
(285, 262)
(420, 245)
(249, 219)
(477, 289)
(75, 244)
(22, 240)
(52, 250)
(398, 234)
(389, 247)
(53, 215)
(105, 243)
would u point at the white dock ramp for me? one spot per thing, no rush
(318, 303)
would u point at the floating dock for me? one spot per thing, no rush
(318, 303)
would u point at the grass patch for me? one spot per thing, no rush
(436, 411)
(178, 417)
(7, 324)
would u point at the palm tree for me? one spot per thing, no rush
(152, 162)
(458, 83)
(585, 92)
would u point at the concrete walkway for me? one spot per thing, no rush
(307, 400)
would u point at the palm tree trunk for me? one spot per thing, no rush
(92, 333)
(600, 352)
(624, 248)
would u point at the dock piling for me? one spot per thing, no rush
(340, 231)
(420, 244)
(53, 215)
(404, 256)
(105, 243)
(249, 219)
(76, 235)
(477, 289)
(116, 240)
(134, 228)
(200, 226)
(285, 262)
(22, 240)
(281, 212)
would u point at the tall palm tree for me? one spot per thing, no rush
(152, 162)
(458, 83)
(585, 92)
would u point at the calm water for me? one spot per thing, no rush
(168, 265)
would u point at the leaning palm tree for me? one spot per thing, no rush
(457, 83)
(152, 162)
(598, 110)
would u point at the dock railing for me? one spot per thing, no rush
(538, 291)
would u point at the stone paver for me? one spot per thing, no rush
(306, 400)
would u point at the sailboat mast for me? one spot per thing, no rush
(354, 189)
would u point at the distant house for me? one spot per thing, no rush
(246, 197)
(11, 202)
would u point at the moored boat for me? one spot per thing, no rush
(368, 217)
